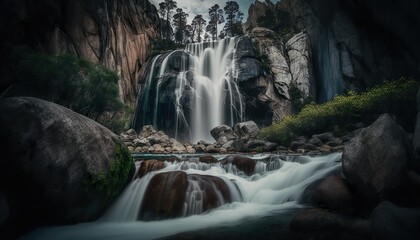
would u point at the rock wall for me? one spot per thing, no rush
(116, 33)
(356, 44)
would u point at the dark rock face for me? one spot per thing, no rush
(117, 34)
(211, 187)
(333, 193)
(245, 164)
(149, 166)
(70, 167)
(392, 222)
(375, 160)
(164, 197)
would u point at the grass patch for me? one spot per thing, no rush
(339, 115)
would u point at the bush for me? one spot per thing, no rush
(86, 88)
(339, 115)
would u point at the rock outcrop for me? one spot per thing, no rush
(115, 33)
(375, 161)
(67, 166)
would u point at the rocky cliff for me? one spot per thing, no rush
(116, 33)
(355, 44)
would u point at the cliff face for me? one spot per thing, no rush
(115, 33)
(357, 44)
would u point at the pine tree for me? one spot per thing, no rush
(198, 24)
(180, 22)
(234, 19)
(216, 17)
(166, 9)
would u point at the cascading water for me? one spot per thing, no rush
(188, 92)
(277, 186)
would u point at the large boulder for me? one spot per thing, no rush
(333, 193)
(223, 131)
(149, 166)
(390, 222)
(375, 160)
(57, 167)
(213, 192)
(165, 196)
(242, 163)
(247, 130)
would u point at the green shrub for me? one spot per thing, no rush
(395, 97)
(86, 88)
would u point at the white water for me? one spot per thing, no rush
(277, 184)
(213, 96)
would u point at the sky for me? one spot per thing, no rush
(195, 7)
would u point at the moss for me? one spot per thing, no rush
(111, 182)
(341, 114)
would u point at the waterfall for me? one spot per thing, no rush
(186, 93)
(278, 184)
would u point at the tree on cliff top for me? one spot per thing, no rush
(199, 24)
(216, 17)
(166, 9)
(234, 19)
(180, 23)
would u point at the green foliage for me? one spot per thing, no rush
(280, 22)
(112, 182)
(86, 88)
(299, 101)
(395, 97)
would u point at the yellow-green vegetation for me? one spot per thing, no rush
(113, 181)
(86, 88)
(395, 97)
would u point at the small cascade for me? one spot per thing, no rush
(188, 92)
(211, 196)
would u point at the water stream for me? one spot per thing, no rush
(275, 190)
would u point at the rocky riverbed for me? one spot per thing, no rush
(241, 138)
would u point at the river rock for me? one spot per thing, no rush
(211, 149)
(333, 193)
(208, 159)
(247, 130)
(200, 148)
(256, 143)
(324, 137)
(191, 150)
(335, 142)
(244, 164)
(214, 191)
(164, 197)
(71, 167)
(149, 166)
(315, 141)
(141, 142)
(296, 145)
(390, 222)
(177, 146)
(270, 147)
(223, 131)
(375, 160)
(147, 131)
(158, 138)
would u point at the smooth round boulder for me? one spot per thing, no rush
(164, 197)
(244, 164)
(333, 193)
(214, 191)
(149, 166)
(375, 161)
(247, 130)
(208, 159)
(57, 166)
